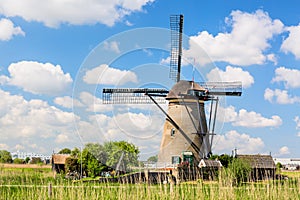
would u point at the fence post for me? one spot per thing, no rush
(50, 190)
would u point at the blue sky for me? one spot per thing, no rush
(55, 56)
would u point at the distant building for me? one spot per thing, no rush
(262, 166)
(288, 163)
(24, 155)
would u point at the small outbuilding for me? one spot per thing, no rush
(262, 166)
(209, 168)
(58, 162)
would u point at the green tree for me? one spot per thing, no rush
(27, 159)
(65, 151)
(18, 161)
(121, 154)
(72, 165)
(75, 153)
(90, 165)
(152, 159)
(224, 159)
(99, 152)
(5, 157)
(36, 160)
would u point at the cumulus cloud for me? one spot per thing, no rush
(284, 151)
(27, 122)
(244, 143)
(77, 12)
(244, 45)
(280, 96)
(39, 78)
(290, 77)
(231, 74)
(93, 104)
(106, 75)
(245, 118)
(67, 102)
(290, 44)
(8, 30)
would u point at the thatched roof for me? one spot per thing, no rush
(210, 163)
(258, 161)
(59, 158)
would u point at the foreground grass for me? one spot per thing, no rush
(35, 183)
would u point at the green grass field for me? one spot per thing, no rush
(33, 183)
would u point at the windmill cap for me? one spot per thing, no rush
(182, 87)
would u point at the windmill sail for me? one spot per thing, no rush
(176, 24)
(133, 95)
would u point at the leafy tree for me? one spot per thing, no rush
(90, 165)
(75, 153)
(98, 151)
(152, 159)
(5, 157)
(72, 165)
(36, 160)
(27, 159)
(224, 159)
(65, 151)
(121, 154)
(18, 161)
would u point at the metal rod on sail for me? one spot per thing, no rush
(214, 121)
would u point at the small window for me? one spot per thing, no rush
(172, 132)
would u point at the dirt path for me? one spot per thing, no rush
(24, 166)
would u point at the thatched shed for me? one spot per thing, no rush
(263, 166)
(209, 168)
(58, 162)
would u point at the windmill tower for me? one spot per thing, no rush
(187, 134)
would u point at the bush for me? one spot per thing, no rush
(19, 161)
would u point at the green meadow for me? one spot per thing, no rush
(41, 183)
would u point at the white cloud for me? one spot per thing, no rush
(290, 44)
(77, 12)
(112, 46)
(27, 122)
(67, 102)
(231, 74)
(280, 96)
(62, 138)
(93, 103)
(247, 119)
(39, 78)
(284, 150)
(106, 75)
(290, 77)
(8, 30)
(253, 119)
(243, 45)
(245, 144)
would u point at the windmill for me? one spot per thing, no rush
(187, 133)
